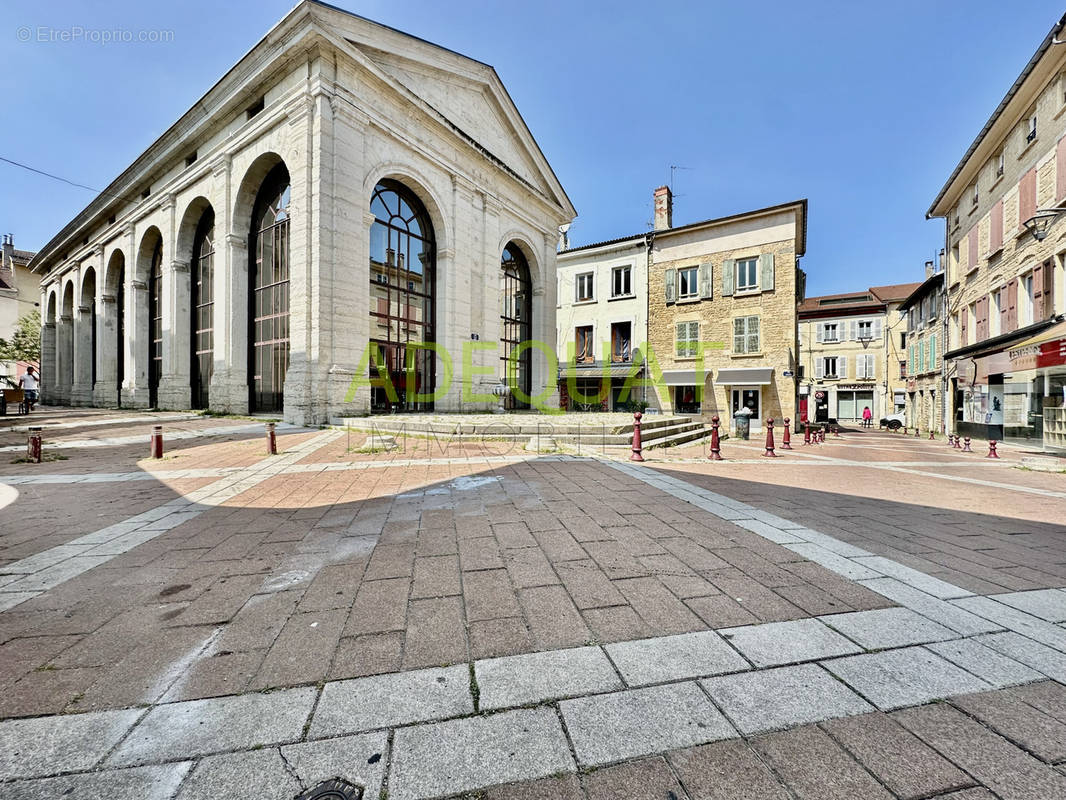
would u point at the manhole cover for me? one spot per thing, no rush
(335, 789)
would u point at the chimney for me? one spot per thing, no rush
(9, 247)
(940, 268)
(664, 208)
(929, 270)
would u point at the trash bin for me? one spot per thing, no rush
(742, 423)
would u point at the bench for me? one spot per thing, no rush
(15, 397)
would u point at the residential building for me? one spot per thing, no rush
(851, 354)
(602, 325)
(346, 196)
(19, 295)
(924, 310)
(1006, 244)
(722, 297)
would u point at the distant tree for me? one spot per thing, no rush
(25, 343)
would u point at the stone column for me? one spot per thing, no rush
(229, 381)
(64, 357)
(105, 391)
(175, 385)
(82, 390)
(48, 362)
(135, 386)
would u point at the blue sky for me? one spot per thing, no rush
(862, 108)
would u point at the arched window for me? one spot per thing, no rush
(516, 324)
(155, 324)
(203, 308)
(402, 294)
(269, 283)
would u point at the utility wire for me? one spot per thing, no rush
(64, 180)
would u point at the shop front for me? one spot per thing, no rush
(1034, 392)
(851, 399)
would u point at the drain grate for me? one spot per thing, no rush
(335, 789)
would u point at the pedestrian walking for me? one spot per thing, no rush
(867, 417)
(28, 382)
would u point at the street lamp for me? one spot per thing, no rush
(1039, 223)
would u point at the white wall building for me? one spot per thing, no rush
(343, 184)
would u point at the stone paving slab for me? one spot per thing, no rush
(912, 577)
(466, 754)
(636, 722)
(883, 628)
(201, 727)
(776, 643)
(1047, 604)
(993, 668)
(358, 759)
(671, 658)
(1014, 620)
(1044, 659)
(535, 677)
(933, 608)
(779, 698)
(32, 748)
(241, 776)
(155, 782)
(400, 698)
(896, 678)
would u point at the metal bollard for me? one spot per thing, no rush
(806, 433)
(966, 445)
(957, 445)
(770, 438)
(272, 440)
(157, 441)
(33, 445)
(992, 449)
(786, 435)
(716, 444)
(637, 447)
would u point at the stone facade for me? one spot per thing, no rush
(1003, 284)
(19, 296)
(704, 261)
(850, 354)
(339, 104)
(925, 323)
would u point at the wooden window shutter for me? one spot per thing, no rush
(706, 292)
(842, 367)
(670, 285)
(995, 231)
(728, 276)
(1049, 289)
(1027, 196)
(964, 317)
(1038, 292)
(1060, 170)
(877, 330)
(1012, 305)
(766, 272)
(819, 367)
(853, 330)
(819, 332)
(971, 249)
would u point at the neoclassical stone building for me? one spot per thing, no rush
(343, 184)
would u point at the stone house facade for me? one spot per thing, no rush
(722, 320)
(19, 296)
(851, 354)
(1005, 245)
(345, 195)
(924, 314)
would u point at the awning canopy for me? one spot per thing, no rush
(1050, 335)
(683, 377)
(752, 376)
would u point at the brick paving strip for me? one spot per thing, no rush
(814, 704)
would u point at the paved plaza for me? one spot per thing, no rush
(876, 616)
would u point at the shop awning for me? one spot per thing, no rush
(752, 376)
(1050, 335)
(683, 377)
(997, 344)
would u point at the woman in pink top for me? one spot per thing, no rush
(867, 417)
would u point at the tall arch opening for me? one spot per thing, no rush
(115, 286)
(269, 293)
(155, 323)
(402, 300)
(88, 301)
(202, 305)
(516, 325)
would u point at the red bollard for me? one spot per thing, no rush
(157, 441)
(272, 440)
(821, 436)
(836, 431)
(931, 437)
(917, 433)
(770, 438)
(807, 433)
(33, 445)
(786, 435)
(716, 445)
(966, 445)
(992, 449)
(637, 447)
(957, 445)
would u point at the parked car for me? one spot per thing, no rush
(894, 421)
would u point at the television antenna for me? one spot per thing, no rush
(674, 168)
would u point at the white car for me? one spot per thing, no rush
(894, 421)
